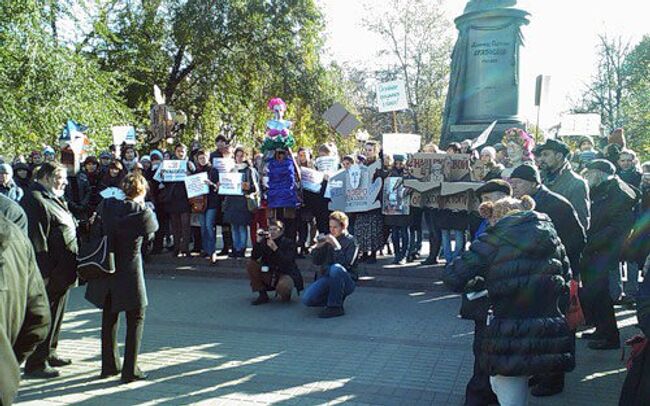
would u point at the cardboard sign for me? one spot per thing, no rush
(113, 192)
(172, 170)
(358, 192)
(311, 179)
(452, 188)
(391, 96)
(580, 125)
(230, 184)
(464, 201)
(395, 198)
(341, 120)
(223, 164)
(403, 144)
(429, 171)
(196, 186)
(327, 164)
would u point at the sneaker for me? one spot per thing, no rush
(137, 377)
(603, 344)
(430, 261)
(330, 312)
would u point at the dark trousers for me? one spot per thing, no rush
(598, 305)
(181, 231)
(435, 236)
(110, 352)
(479, 391)
(306, 232)
(416, 230)
(400, 237)
(163, 221)
(47, 349)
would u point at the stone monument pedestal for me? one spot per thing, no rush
(484, 83)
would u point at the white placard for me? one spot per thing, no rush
(223, 164)
(580, 125)
(391, 96)
(311, 179)
(173, 170)
(327, 164)
(230, 184)
(123, 133)
(196, 186)
(113, 192)
(403, 144)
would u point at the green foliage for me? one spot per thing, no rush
(44, 84)
(637, 103)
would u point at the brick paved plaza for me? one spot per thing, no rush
(205, 344)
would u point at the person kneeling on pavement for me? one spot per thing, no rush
(273, 265)
(336, 254)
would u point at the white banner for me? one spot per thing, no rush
(327, 164)
(196, 186)
(403, 144)
(391, 96)
(123, 133)
(172, 171)
(311, 179)
(230, 184)
(223, 164)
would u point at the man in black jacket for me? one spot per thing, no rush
(336, 254)
(273, 265)
(52, 231)
(612, 208)
(25, 316)
(525, 180)
(13, 212)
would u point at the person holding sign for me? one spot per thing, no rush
(307, 225)
(208, 218)
(177, 205)
(235, 208)
(369, 225)
(399, 224)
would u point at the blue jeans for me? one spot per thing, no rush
(330, 289)
(239, 236)
(459, 237)
(400, 236)
(207, 221)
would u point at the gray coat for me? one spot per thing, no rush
(575, 189)
(128, 224)
(25, 312)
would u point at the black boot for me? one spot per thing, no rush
(262, 298)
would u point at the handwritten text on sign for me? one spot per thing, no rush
(391, 96)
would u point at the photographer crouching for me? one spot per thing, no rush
(273, 265)
(336, 254)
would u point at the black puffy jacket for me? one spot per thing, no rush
(526, 270)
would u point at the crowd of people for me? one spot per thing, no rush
(548, 216)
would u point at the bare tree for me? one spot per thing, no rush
(418, 40)
(606, 91)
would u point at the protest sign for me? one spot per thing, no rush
(580, 125)
(452, 188)
(358, 192)
(341, 120)
(429, 171)
(391, 96)
(123, 133)
(196, 186)
(403, 144)
(223, 164)
(396, 201)
(113, 192)
(327, 164)
(173, 170)
(311, 179)
(230, 184)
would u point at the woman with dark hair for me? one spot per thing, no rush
(369, 225)
(235, 208)
(113, 177)
(128, 224)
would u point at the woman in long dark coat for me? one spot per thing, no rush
(127, 223)
(235, 208)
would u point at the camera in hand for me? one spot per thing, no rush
(321, 237)
(263, 233)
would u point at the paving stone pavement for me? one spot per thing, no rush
(204, 344)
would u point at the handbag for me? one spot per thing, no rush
(574, 315)
(198, 204)
(96, 258)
